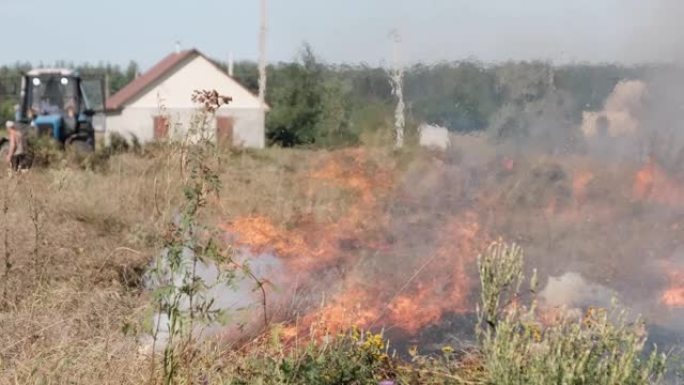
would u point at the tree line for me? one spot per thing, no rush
(318, 104)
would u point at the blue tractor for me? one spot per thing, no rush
(58, 103)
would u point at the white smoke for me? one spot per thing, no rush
(238, 296)
(620, 115)
(571, 290)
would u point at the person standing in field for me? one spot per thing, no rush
(16, 156)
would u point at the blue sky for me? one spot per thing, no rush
(343, 30)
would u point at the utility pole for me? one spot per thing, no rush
(231, 65)
(397, 81)
(262, 54)
(106, 85)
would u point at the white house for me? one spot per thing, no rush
(157, 105)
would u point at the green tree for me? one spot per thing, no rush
(335, 127)
(297, 100)
(460, 96)
(6, 112)
(247, 73)
(534, 110)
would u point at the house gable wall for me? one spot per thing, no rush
(175, 89)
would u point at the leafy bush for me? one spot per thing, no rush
(600, 347)
(310, 106)
(352, 358)
(6, 111)
(44, 151)
(118, 144)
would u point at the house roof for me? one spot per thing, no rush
(138, 84)
(142, 82)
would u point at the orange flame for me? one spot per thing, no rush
(310, 245)
(674, 296)
(350, 169)
(441, 285)
(645, 180)
(442, 281)
(347, 310)
(303, 252)
(580, 182)
(652, 184)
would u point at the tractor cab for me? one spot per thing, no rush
(60, 104)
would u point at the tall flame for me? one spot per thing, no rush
(410, 292)
(440, 283)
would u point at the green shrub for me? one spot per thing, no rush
(118, 144)
(44, 151)
(351, 358)
(600, 347)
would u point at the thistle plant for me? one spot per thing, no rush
(180, 292)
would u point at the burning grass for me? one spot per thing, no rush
(368, 238)
(516, 345)
(674, 294)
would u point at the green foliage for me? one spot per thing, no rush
(515, 100)
(521, 83)
(117, 77)
(335, 127)
(600, 347)
(118, 144)
(501, 278)
(6, 111)
(374, 122)
(44, 151)
(590, 85)
(247, 73)
(352, 358)
(179, 292)
(317, 104)
(297, 102)
(462, 95)
(535, 111)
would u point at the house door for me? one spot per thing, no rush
(224, 130)
(161, 127)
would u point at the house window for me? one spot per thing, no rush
(224, 130)
(161, 127)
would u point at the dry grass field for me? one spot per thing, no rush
(75, 242)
